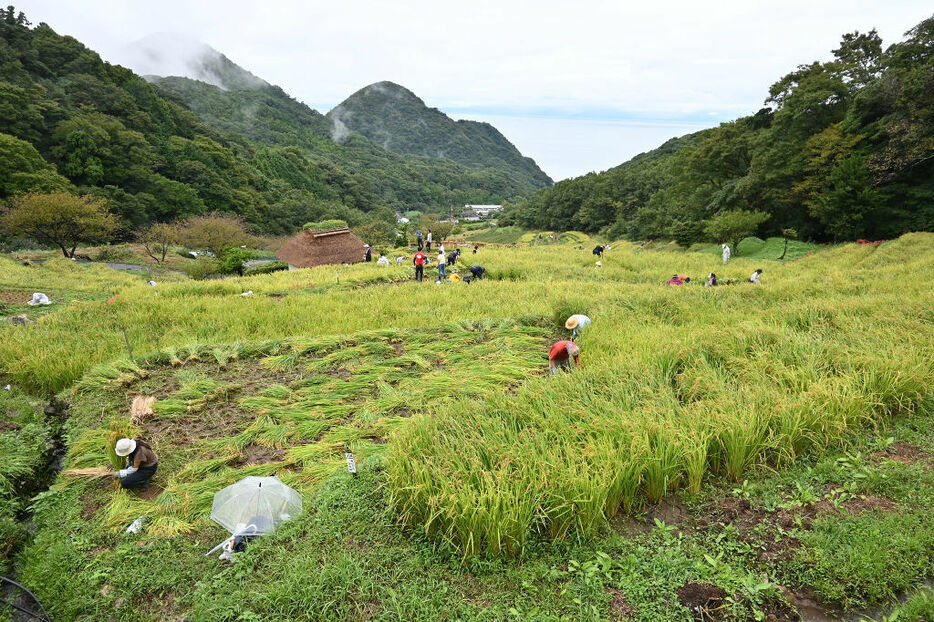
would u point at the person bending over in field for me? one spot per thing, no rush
(419, 262)
(453, 255)
(712, 280)
(755, 277)
(383, 260)
(676, 279)
(576, 324)
(560, 354)
(477, 272)
(141, 463)
(598, 251)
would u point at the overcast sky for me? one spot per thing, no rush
(579, 86)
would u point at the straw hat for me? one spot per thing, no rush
(572, 322)
(574, 349)
(125, 446)
(599, 264)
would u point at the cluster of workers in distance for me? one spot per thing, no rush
(443, 260)
(683, 279)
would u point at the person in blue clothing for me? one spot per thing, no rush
(418, 238)
(442, 265)
(576, 324)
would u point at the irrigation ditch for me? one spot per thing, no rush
(17, 600)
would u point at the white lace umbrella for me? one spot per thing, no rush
(255, 505)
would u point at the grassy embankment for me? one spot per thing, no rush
(24, 435)
(518, 235)
(677, 383)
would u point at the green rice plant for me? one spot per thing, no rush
(741, 440)
(694, 447)
(663, 463)
(119, 428)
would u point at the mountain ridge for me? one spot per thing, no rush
(168, 148)
(395, 118)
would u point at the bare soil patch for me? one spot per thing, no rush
(619, 608)
(152, 492)
(703, 600)
(13, 297)
(669, 510)
(906, 453)
(253, 455)
(6, 425)
(90, 510)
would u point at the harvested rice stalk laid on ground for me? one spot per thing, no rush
(90, 472)
(214, 419)
(141, 408)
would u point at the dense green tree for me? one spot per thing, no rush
(847, 201)
(22, 169)
(844, 148)
(212, 232)
(376, 232)
(60, 219)
(734, 225)
(439, 228)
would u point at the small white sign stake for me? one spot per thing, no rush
(351, 464)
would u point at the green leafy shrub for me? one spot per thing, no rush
(266, 268)
(116, 254)
(325, 225)
(201, 267)
(232, 258)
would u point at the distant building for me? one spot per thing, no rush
(480, 212)
(318, 248)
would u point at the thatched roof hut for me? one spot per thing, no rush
(317, 248)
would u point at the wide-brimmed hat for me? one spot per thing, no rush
(572, 323)
(125, 446)
(574, 349)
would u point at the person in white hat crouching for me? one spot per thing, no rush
(141, 463)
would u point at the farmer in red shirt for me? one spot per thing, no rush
(559, 356)
(419, 262)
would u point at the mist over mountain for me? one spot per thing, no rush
(172, 54)
(160, 149)
(398, 120)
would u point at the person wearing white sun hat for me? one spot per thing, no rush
(142, 463)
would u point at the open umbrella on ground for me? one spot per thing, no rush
(255, 506)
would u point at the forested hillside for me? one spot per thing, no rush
(70, 121)
(268, 116)
(843, 150)
(396, 119)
